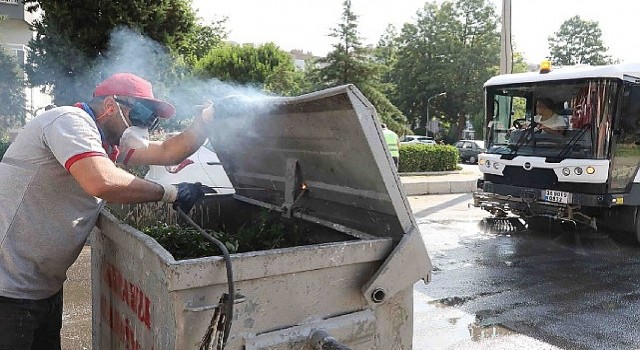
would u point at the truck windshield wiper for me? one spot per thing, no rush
(564, 152)
(524, 139)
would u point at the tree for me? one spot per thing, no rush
(351, 63)
(453, 48)
(348, 63)
(578, 41)
(12, 96)
(203, 39)
(265, 67)
(73, 35)
(386, 55)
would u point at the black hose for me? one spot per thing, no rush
(227, 261)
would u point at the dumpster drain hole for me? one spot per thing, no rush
(378, 295)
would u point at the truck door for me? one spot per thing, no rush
(626, 151)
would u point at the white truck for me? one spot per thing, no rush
(585, 172)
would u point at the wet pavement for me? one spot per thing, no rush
(522, 289)
(76, 317)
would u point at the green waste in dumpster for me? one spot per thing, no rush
(262, 233)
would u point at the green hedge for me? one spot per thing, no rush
(420, 158)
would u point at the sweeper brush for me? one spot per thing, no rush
(501, 225)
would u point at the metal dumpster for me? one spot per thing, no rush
(318, 161)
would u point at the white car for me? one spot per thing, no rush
(414, 139)
(203, 166)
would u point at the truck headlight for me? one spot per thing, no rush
(578, 170)
(566, 171)
(591, 170)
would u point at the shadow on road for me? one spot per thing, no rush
(444, 205)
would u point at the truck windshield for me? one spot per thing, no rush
(556, 120)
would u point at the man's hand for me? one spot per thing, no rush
(188, 195)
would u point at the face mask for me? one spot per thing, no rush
(134, 137)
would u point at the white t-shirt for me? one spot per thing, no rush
(45, 216)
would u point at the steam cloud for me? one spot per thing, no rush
(134, 53)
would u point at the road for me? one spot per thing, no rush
(522, 289)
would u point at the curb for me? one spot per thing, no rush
(439, 187)
(438, 182)
(431, 173)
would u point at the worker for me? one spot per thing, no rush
(393, 143)
(54, 179)
(548, 121)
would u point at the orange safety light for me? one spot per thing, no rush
(545, 66)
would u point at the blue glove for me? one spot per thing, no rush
(188, 195)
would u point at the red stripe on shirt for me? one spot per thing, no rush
(77, 157)
(128, 156)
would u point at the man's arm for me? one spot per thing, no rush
(173, 150)
(552, 128)
(99, 177)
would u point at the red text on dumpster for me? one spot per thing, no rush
(119, 324)
(129, 293)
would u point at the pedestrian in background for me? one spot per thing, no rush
(393, 143)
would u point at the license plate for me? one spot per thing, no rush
(557, 196)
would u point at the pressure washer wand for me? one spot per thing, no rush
(227, 259)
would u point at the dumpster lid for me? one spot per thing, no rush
(320, 157)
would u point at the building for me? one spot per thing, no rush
(15, 33)
(300, 58)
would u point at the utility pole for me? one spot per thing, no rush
(506, 49)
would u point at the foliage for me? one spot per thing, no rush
(4, 144)
(578, 41)
(188, 243)
(421, 158)
(203, 39)
(351, 63)
(453, 48)
(12, 96)
(73, 37)
(262, 233)
(386, 54)
(387, 111)
(264, 66)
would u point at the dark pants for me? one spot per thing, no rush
(396, 160)
(30, 324)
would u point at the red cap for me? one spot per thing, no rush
(127, 84)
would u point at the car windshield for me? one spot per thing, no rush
(575, 123)
(479, 143)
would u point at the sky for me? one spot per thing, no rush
(305, 24)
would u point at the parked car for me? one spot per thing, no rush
(203, 166)
(413, 139)
(469, 150)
